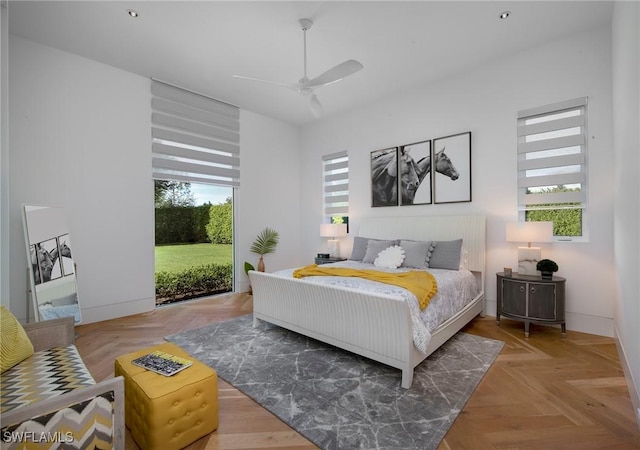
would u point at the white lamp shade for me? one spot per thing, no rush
(333, 230)
(529, 232)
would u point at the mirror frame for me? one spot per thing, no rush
(51, 270)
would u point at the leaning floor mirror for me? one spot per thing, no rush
(51, 270)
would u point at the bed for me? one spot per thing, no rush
(375, 325)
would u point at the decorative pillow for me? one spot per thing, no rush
(359, 248)
(446, 255)
(464, 256)
(416, 253)
(374, 247)
(15, 345)
(390, 258)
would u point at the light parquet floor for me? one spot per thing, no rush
(543, 392)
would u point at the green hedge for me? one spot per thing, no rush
(182, 224)
(220, 228)
(566, 222)
(194, 282)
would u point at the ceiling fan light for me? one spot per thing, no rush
(316, 106)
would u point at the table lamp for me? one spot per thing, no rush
(529, 232)
(332, 231)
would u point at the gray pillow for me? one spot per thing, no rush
(359, 248)
(374, 247)
(446, 255)
(416, 253)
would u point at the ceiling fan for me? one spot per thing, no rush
(305, 86)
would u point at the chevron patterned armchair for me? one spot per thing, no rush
(50, 400)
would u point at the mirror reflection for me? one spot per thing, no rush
(52, 271)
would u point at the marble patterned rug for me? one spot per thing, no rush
(339, 400)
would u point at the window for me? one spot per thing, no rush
(196, 167)
(336, 187)
(552, 167)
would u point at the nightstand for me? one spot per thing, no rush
(529, 298)
(329, 260)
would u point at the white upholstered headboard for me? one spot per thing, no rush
(472, 230)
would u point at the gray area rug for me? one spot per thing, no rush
(339, 400)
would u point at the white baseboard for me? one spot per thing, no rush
(115, 310)
(243, 286)
(634, 392)
(601, 326)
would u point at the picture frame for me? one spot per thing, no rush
(384, 177)
(48, 260)
(66, 261)
(415, 173)
(452, 168)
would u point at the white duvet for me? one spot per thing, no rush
(456, 288)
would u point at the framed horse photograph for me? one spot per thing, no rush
(384, 177)
(415, 173)
(452, 168)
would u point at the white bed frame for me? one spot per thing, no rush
(335, 314)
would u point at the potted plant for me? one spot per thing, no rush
(546, 268)
(247, 267)
(264, 244)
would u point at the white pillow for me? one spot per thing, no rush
(374, 247)
(390, 258)
(463, 258)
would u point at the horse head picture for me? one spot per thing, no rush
(43, 261)
(454, 183)
(412, 174)
(395, 171)
(384, 177)
(445, 166)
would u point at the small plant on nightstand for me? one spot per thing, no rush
(546, 268)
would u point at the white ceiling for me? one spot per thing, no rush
(199, 45)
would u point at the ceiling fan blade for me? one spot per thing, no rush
(334, 74)
(316, 106)
(273, 83)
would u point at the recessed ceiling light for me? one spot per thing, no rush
(133, 12)
(505, 14)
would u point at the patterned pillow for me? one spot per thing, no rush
(15, 345)
(390, 258)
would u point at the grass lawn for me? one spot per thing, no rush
(175, 258)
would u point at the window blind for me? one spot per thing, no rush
(552, 164)
(194, 138)
(336, 184)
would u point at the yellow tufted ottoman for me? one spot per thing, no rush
(168, 412)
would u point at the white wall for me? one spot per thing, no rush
(268, 195)
(80, 139)
(626, 154)
(4, 155)
(485, 101)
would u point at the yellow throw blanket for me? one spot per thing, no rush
(420, 283)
